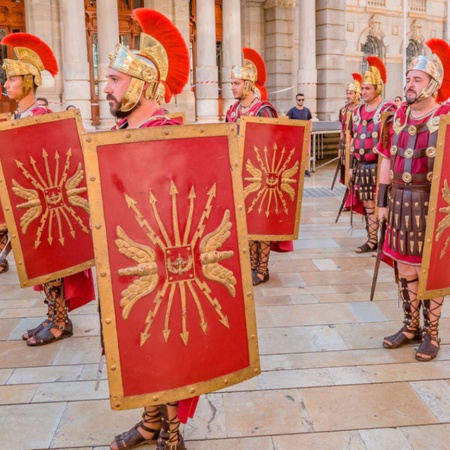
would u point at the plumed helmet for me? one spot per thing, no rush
(437, 66)
(32, 57)
(375, 74)
(162, 60)
(355, 85)
(253, 72)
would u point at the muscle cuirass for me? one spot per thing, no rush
(366, 131)
(366, 134)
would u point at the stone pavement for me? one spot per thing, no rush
(326, 381)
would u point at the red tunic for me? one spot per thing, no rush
(78, 288)
(419, 166)
(157, 119)
(259, 108)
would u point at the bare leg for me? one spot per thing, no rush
(4, 266)
(430, 341)
(254, 255)
(410, 332)
(175, 441)
(59, 326)
(262, 274)
(371, 228)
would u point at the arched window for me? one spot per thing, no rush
(372, 47)
(12, 20)
(414, 49)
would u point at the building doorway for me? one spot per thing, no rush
(12, 20)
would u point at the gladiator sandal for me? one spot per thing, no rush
(54, 291)
(372, 232)
(133, 438)
(254, 255)
(4, 265)
(262, 274)
(430, 328)
(41, 326)
(411, 317)
(175, 441)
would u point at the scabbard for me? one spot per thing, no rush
(378, 259)
(344, 199)
(338, 170)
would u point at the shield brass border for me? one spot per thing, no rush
(25, 281)
(90, 142)
(423, 291)
(306, 124)
(348, 144)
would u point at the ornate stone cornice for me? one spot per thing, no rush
(282, 3)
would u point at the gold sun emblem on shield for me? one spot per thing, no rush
(60, 192)
(445, 222)
(271, 181)
(181, 279)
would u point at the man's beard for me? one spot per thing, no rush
(411, 100)
(114, 108)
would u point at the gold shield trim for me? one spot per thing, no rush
(299, 173)
(178, 262)
(435, 262)
(52, 193)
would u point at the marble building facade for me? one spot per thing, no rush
(309, 46)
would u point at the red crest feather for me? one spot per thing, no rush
(357, 77)
(442, 50)
(164, 31)
(258, 61)
(376, 62)
(33, 43)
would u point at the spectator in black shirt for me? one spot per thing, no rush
(300, 112)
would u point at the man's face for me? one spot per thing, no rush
(300, 101)
(40, 103)
(368, 92)
(115, 89)
(14, 87)
(351, 96)
(416, 82)
(398, 102)
(237, 88)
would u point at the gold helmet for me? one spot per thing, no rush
(33, 56)
(376, 74)
(161, 64)
(436, 66)
(253, 72)
(355, 85)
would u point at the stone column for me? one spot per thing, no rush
(307, 72)
(252, 25)
(108, 37)
(75, 64)
(206, 70)
(279, 17)
(231, 48)
(330, 38)
(42, 20)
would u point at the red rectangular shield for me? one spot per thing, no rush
(434, 280)
(2, 219)
(274, 159)
(172, 260)
(44, 196)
